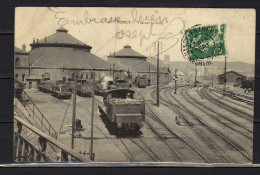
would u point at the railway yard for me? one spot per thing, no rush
(197, 125)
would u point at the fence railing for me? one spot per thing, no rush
(37, 114)
(27, 151)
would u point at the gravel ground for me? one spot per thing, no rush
(110, 148)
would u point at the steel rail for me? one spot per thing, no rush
(200, 106)
(225, 139)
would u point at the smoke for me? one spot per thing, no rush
(104, 79)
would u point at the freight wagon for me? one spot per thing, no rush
(61, 90)
(84, 89)
(46, 86)
(248, 84)
(140, 82)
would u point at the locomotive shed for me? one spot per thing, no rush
(190, 126)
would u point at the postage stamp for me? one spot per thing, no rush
(200, 42)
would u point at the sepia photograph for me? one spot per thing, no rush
(134, 85)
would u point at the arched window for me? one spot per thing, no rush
(17, 62)
(46, 76)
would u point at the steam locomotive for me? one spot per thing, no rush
(124, 112)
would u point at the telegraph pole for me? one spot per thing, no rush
(158, 76)
(113, 70)
(175, 84)
(74, 110)
(212, 74)
(92, 155)
(195, 75)
(225, 78)
(149, 71)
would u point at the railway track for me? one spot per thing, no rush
(146, 148)
(160, 135)
(235, 111)
(138, 141)
(129, 155)
(239, 97)
(237, 103)
(153, 116)
(132, 159)
(179, 110)
(236, 147)
(235, 126)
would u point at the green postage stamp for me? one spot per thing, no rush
(200, 42)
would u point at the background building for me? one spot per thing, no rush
(60, 55)
(137, 65)
(21, 64)
(232, 77)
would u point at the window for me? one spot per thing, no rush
(46, 75)
(17, 62)
(16, 75)
(23, 77)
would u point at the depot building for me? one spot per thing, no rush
(59, 56)
(232, 77)
(137, 65)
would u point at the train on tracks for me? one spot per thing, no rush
(60, 90)
(56, 88)
(103, 87)
(141, 82)
(248, 84)
(46, 86)
(84, 88)
(124, 112)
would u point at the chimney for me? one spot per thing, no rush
(33, 40)
(45, 39)
(24, 48)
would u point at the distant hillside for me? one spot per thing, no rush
(240, 67)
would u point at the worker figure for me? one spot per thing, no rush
(177, 120)
(149, 81)
(78, 126)
(116, 77)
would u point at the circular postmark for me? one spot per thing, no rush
(200, 42)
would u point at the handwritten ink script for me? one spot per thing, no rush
(167, 32)
(63, 19)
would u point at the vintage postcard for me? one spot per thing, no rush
(134, 85)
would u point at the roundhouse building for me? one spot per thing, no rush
(137, 65)
(60, 55)
(21, 65)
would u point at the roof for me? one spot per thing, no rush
(33, 77)
(127, 52)
(135, 65)
(17, 50)
(231, 72)
(67, 58)
(117, 90)
(60, 37)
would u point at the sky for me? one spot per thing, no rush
(141, 28)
